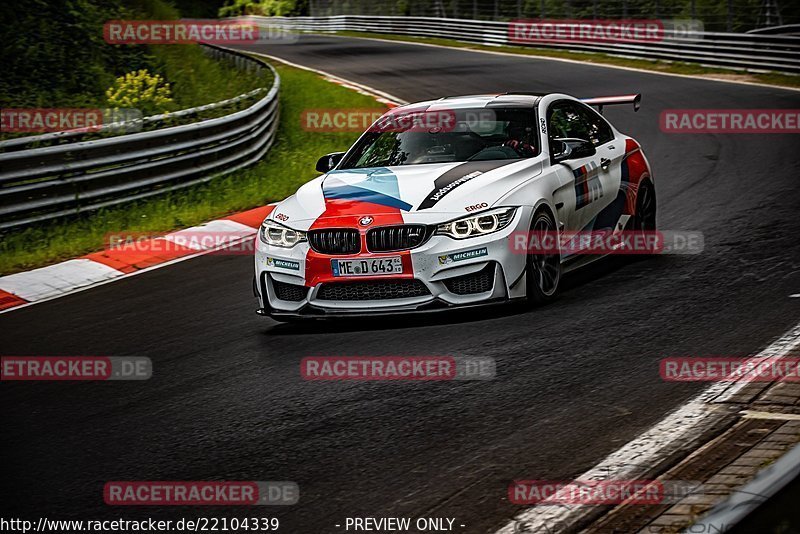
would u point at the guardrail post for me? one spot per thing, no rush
(730, 16)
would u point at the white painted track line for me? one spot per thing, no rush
(371, 91)
(565, 60)
(677, 430)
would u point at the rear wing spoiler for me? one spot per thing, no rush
(601, 101)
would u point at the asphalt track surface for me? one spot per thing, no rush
(576, 380)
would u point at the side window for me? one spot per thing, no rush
(564, 120)
(570, 119)
(600, 131)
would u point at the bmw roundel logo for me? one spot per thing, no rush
(365, 221)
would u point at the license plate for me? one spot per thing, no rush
(367, 267)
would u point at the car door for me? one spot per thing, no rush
(606, 213)
(590, 183)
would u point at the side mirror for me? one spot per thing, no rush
(329, 161)
(569, 148)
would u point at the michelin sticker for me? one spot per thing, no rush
(283, 264)
(466, 255)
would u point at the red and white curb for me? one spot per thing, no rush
(26, 288)
(23, 289)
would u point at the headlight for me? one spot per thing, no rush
(480, 224)
(278, 235)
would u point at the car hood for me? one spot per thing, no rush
(413, 193)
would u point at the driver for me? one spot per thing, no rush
(518, 136)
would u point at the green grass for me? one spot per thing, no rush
(196, 79)
(288, 164)
(786, 80)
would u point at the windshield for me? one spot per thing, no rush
(417, 137)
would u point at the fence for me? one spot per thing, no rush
(751, 52)
(71, 176)
(716, 15)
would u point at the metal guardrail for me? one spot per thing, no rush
(740, 51)
(785, 29)
(724, 16)
(743, 501)
(68, 178)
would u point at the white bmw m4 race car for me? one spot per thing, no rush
(422, 212)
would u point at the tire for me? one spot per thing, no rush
(542, 271)
(644, 219)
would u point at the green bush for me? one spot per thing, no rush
(54, 55)
(267, 8)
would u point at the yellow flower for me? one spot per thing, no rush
(148, 92)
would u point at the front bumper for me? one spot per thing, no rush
(441, 274)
